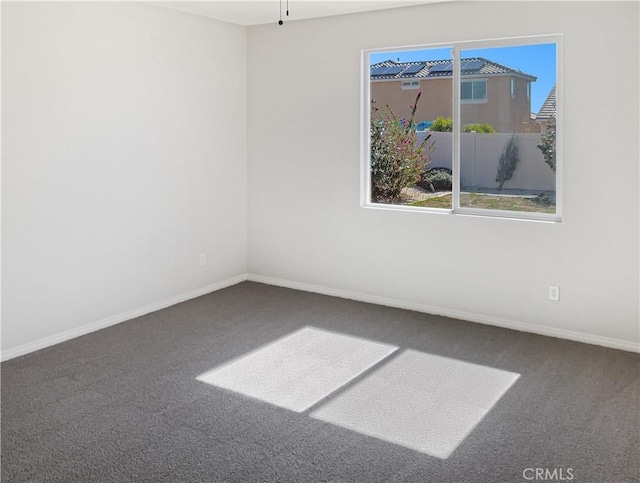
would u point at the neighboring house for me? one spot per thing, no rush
(490, 92)
(548, 109)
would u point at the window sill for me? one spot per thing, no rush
(466, 212)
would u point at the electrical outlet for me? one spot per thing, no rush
(203, 259)
(554, 293)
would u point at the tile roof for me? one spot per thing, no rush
(437, 68)
(548, 109)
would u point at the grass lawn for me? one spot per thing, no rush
(491, 202)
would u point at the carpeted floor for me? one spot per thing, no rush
(260, 383)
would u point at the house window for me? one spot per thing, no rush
(473, 90)
(410, 85)
(463, 144)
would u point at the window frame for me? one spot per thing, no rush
(475, 100)
(456, 47)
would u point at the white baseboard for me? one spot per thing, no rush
(116, 319)
(455, 314)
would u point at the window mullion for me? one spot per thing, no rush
(455, 54)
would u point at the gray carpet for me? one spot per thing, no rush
(218, 389)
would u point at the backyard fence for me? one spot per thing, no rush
(479, 155)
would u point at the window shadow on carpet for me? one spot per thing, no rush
(421, 401)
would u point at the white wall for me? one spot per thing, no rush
(124, 150)
(305, 220)
(124, 158)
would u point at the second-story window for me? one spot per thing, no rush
(475, 90)
(411, 85)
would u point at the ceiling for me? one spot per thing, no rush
(251, 12)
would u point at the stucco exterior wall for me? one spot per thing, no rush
(502, 111)
(436, 99)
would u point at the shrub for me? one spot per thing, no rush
(436, 179)
(442, 124)
(445, 124)
(547, 144)
(508, 161)
(542, 199)
(397, 160)
(482, 128)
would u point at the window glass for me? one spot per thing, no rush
(401, 123)
(466, 90)
(480, 90)
(503, 168)
(486, 151)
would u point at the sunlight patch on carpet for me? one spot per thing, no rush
(421, 401)
(299, 370)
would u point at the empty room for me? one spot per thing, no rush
(300, 241)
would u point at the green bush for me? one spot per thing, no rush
(436, 179)
(445, 124)
(397, 159)
(542, 199)
(482, 128)
(508, 161)
(442, 124)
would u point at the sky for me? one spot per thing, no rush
(538, 60)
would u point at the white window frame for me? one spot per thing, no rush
(456, 47)
(512, 84)
(474, 100)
